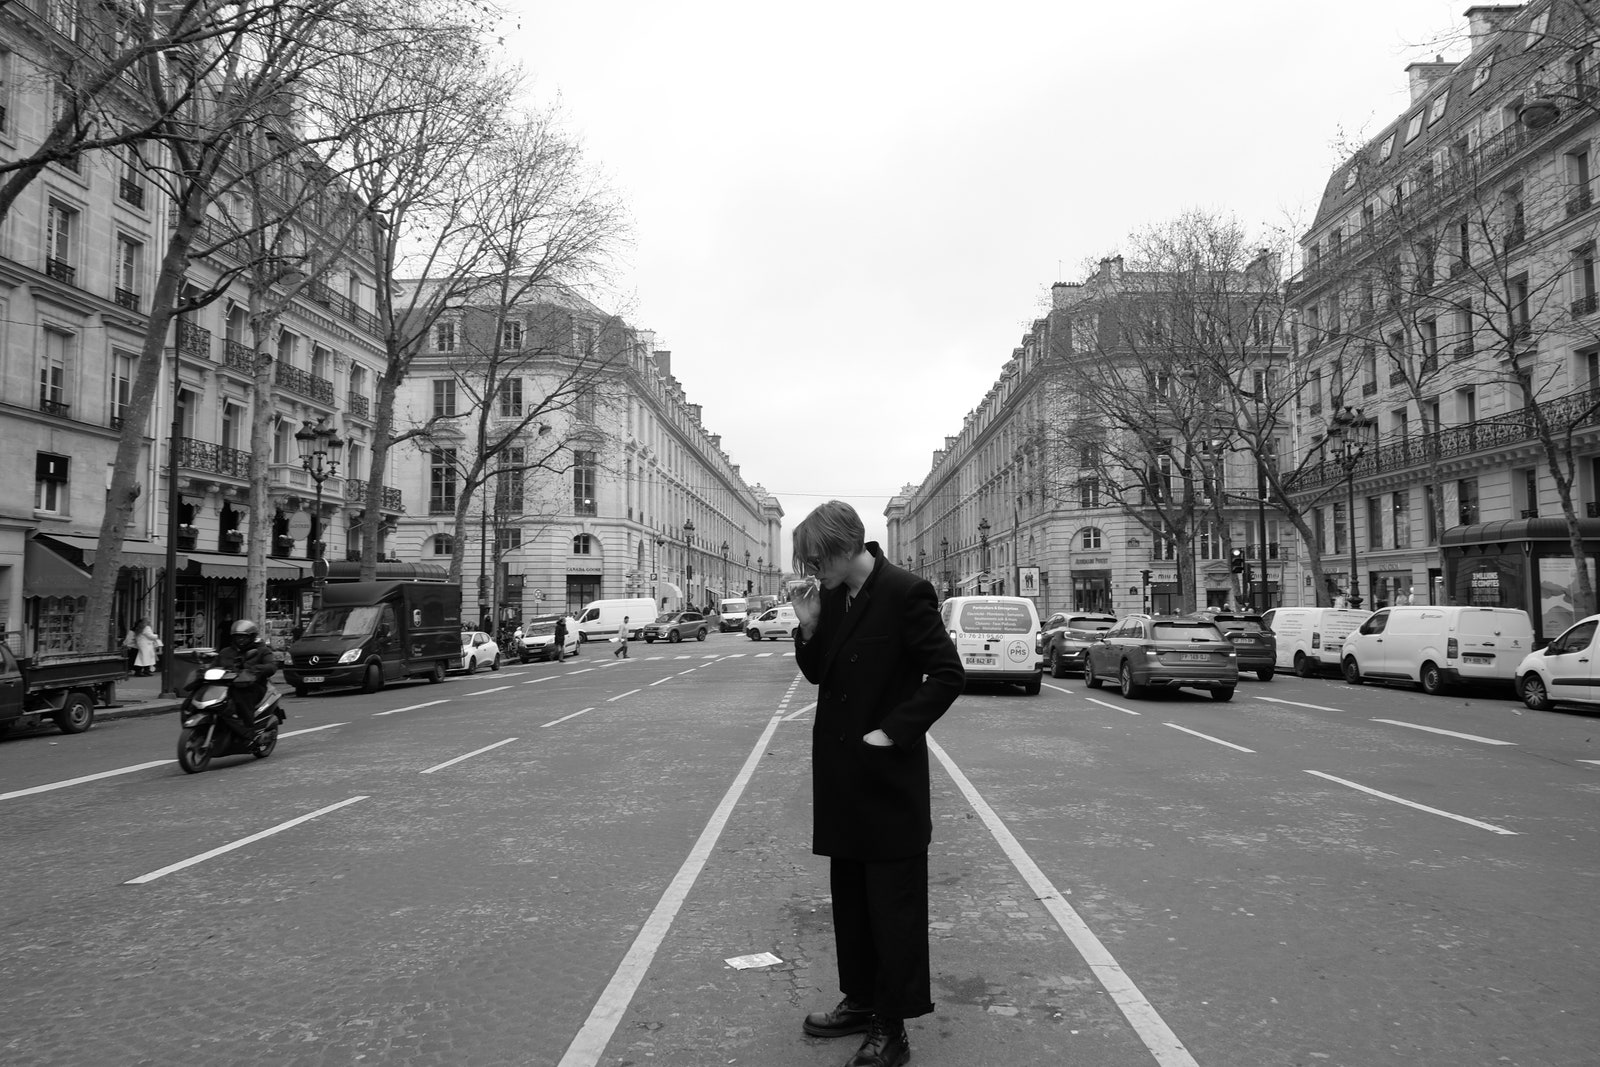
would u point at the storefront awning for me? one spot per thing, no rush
(970, 579)
(668, 589)
(350, 570)
(1502, 530)
(134, 553)
(232, 565)
(46, 572)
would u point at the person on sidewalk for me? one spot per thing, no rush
(871, 639)
(622, 640)
(147, 648)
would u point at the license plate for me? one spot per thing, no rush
(1478, 659)
(313, 678)
(981, 661)
(1197, 657)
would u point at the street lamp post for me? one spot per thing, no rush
(922, 563)
(944, 546)
(688, 566)
(983, 554)
(320, 445)
(1346, 424)
(655, 567)
(761, 572)
(725, 591)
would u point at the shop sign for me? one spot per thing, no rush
(1484, 590)
(1091, 561)
(575, 567)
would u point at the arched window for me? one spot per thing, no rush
(1091, 537)
(583, 545)
(443, 544)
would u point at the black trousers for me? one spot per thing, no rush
(880, 930)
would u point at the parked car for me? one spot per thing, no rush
(1311, 640)
(1438, 645)
(478, 649)
(997, 638)
(674, 626)
(539, 639)
(65, 687)
(1169, 652)
(1566, 671)
(1066, 638)
(774, 623)
(1256, 645)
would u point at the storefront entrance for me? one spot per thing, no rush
(1519, 563)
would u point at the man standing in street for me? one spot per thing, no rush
(871, 639)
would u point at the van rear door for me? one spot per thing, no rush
(1488, 642)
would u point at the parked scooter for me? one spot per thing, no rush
(210, 729)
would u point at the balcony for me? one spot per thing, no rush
(194, 340)
(126, 298)
(1584, 305)
(1430, 363)
(1515, 236)
(304, 383)
(355, 492)
(1579, 202)
(1371, 388)
(356, 404)
(239, 356)
(1459, 267)
(213, 458)
(1396, 377)
(60, 270)
(343, 307)
(1462, 350)
(131, 192)
(1522, 331)
(56, 408)
(441, 505)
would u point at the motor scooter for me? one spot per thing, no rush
(209, 730)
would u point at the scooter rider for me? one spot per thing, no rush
(255, 664)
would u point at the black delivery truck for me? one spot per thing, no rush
(368, 634)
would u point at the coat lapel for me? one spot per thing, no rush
(848, 620)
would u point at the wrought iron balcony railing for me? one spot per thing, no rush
(355, 492)
(127, 298)
(303, 382)
(194, 340)
(239, 356)
(60, 270)
(357, 404)
(213, 458)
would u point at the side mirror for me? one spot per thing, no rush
(382, 632)
(1551, 650)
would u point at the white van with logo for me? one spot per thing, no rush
(600, 620)
(1310, 640)
(1436, 646)
(997, 638)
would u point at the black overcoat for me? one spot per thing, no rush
(889, 664)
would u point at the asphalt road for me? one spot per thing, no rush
(553, 863)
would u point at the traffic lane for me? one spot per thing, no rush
(1264, 911)
(467, 896)
(1004, 976)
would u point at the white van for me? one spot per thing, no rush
(997, 638)
(1436, 646)
(734, 613)
(601, 619)
(1311, 639)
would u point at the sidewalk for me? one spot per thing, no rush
(138, 696)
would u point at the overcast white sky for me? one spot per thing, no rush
(847, 214)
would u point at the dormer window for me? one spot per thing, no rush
(1436, 112)
(1481, 74)
(1387, 149)
(1414, 126)
(1536, 30)
(1350, 178)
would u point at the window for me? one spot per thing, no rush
(443, 545)
(1386, 149)
(583, 483)
(1401, 520)
(320, 358)
(1583, 280)
(50, 474)
(53, 362)
(232, 421)
(1341, 528)
(583, 545)
(130, 188)
(61, 224)
(1210, 542)
(288, 348)
(444, 397)
(129, 255)
(1091, 538)
(1436, 112)
(1088, 492)
(1430, 505)
(444, 337)
(1374, 523)
(1429, 331)
(1320, 524)
(1481, 74)
(122, 370)
(511, 398)
(1536, 30)
(1467, 496)
(5, 90)
(1351, 176)
(1525, 488)
(1517, 292)
(1578, 176)
(583, 403)
(507, 539)
(508, 483)
(1414, 126)
(511, 336)
(441, 481)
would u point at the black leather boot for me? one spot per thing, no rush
(849, 1017)
(886, 1045)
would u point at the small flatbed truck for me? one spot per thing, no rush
(64, 686)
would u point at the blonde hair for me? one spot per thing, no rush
(831, 530)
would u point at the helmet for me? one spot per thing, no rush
(244, 635)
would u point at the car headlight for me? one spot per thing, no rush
(351, 655)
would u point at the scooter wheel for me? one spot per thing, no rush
(269, 741)
(194, 749)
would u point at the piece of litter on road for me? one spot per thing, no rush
(758, 959)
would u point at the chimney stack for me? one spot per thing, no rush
(1424, 76)
(1485, 21)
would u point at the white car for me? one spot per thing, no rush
(539, 639)
(1566, 671)
(774, 623)
(478, 649)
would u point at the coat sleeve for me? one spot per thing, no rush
(934, 656)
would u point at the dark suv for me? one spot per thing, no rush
(1257, 647)
(1067, 635)
(674, 626)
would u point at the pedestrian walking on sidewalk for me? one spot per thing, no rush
(622, 640)
(871, 639)
(147, 647)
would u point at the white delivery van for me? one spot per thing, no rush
(600, 620)
(733, 612)
(1436, 646)
(1310, 640)
(997, 638)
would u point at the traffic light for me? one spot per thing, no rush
(1145, 576)
(1238, 561)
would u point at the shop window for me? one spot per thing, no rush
(50, 482)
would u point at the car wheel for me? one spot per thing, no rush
(472, 664)
(1302, 665)
(1266, 673)
(1352, 671)
(1056, 670)
(1432, 679)
(754, 635)
(436, 676)
(1222, 695)
(494, 664)
(1033, 685)
(701, 636)
(77, 714)
(1130, 688)
(1534, 693)
(674, 637)
(374, 679)
(1089, 678)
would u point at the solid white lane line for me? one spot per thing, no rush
(762, 655)
(1447, 733)
(1294, 703)
(1208, 737)
(481, 692)
(1113, 707)
(658, 681)
(802, 711)
(1596, 762)
(86, 778)
(581, 670)
(243, 841)
(590, 1045)
(468, 755)
(1413, 804)
(410, 707)
(1057, 688)
(535, 681)
(691, 670)
(1151, 1028)
(619, 696)
(309, 730)
(564, 718)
